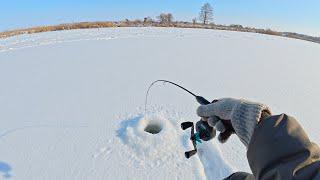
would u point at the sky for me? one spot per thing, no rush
(302, 16)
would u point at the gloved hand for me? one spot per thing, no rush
(230, 116)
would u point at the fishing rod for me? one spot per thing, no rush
(201, 100)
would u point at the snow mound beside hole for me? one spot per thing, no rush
(153, 127)
(152, 140)
(156, 140)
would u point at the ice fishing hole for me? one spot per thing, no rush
(153, 127)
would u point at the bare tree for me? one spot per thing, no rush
(169, 18)
(162, 18)
(206, 13)
(165, 18)
(147, 20)
(194, 21)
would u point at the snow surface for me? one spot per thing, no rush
(72, 102)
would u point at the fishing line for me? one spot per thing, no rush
(200, 99)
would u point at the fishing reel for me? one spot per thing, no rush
(204, 132)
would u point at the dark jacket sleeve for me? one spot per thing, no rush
(280, 149)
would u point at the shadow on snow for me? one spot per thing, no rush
(5, 169)
(132, 122)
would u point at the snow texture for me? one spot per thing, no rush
(72, 102)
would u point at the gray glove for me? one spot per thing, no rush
(230, 116)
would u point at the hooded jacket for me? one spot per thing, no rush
(280, 149)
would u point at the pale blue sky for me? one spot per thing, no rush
(301, 16)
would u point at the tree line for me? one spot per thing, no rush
(204, 20)
(205, 16)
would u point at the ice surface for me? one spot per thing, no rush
(72, 102)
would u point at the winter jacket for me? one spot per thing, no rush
(280, 149)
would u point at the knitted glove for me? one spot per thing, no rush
(230, 115)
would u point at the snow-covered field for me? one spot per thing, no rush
(72, 102)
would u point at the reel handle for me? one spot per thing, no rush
(188, 154)
(186, 125)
